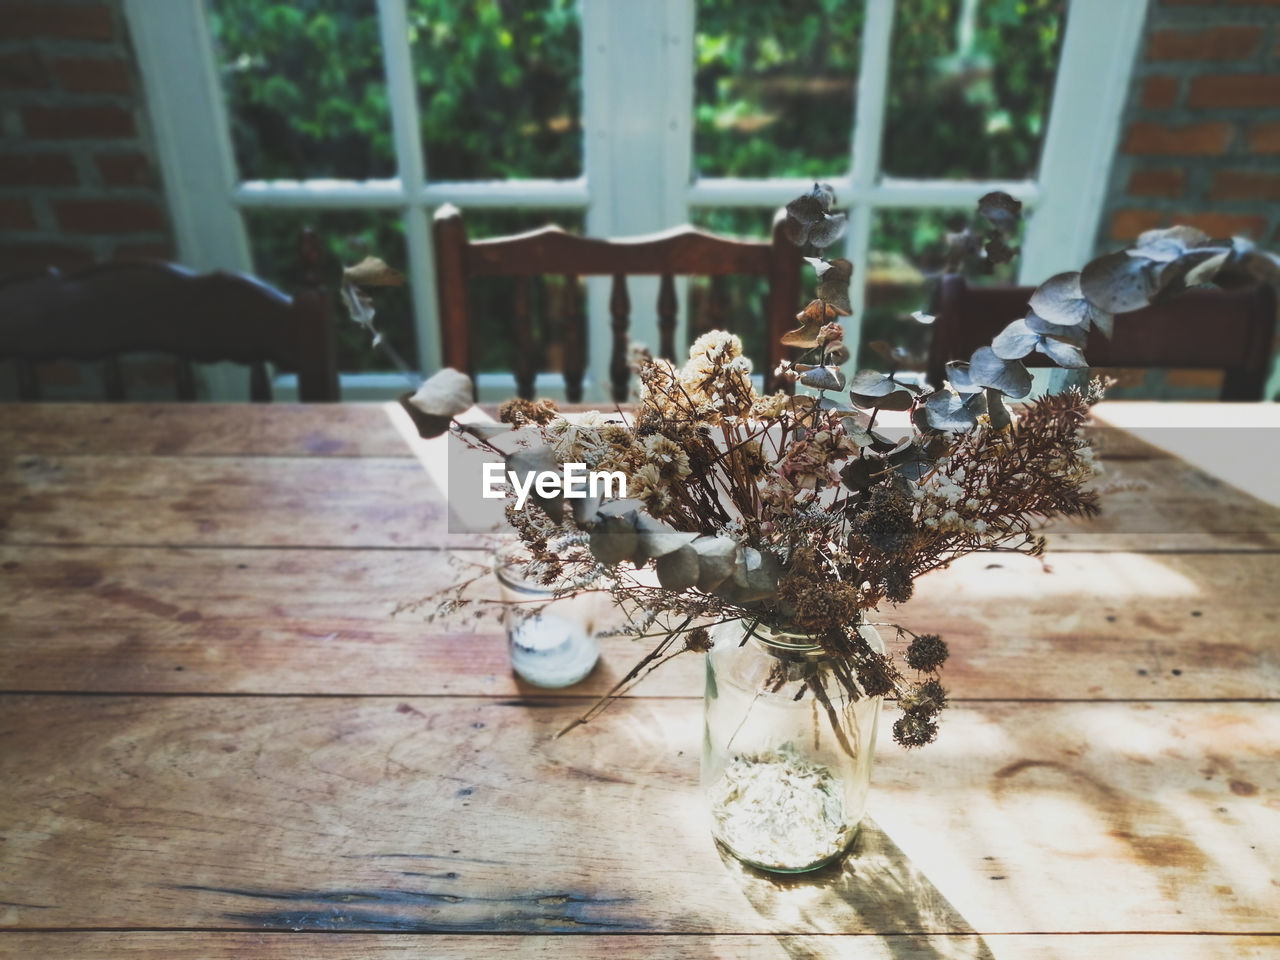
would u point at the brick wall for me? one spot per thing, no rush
(78, 177)
(1201, 136)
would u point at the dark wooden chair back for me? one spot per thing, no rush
(1202, 329)
(684, 251)
(112, 309)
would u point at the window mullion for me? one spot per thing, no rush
(402, 93)
(868, 127)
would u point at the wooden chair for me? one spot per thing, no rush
(112, 309)
(684, 251)
(1203, 329)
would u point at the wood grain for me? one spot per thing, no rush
(456, 815)
(219, 501)
(329, 946)
(121, 619)
(207, 429)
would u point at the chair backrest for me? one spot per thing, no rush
(550, 251)
(112, 309)
(1203, 329)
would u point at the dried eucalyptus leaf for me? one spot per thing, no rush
(862, 472)
(811, 320)
(535, 460)
(446, 393)
(1061, 301)
(911, 461)
(585, 509)
(1015, 341)
(716, 559)
(1169, 243)
(1117, 283)
(872, 383)
(613, 539)
(427, 426)
(921, 317)
(1204, 271)
(1062, 353)
(823, 378)
(657, 538)
(679, 569)
(951, 412)
(373, 272)
(1000, 210)
(1071, 334)
(828, 230)
(1010, 377)
(833, 283)
(835, 354)
(958, 377)
(998, 251)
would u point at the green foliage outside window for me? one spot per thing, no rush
(499, 96)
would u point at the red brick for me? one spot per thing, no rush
(79, 22)
(143, 251)
(1214, 43)
(124, 169)
(67, 123)
(1160, 92)
(1127, 224)
(16, 214)
(86, 75)
(37, 170)
(1245, 185)
(108, 216)
(1235, 90)
(1196, 139)
(19, 258)
(23, 70)
(1224, 224)
(1264, 138)
(1156, 183)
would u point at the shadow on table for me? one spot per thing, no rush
(883, 890)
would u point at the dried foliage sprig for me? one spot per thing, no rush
(796, 512)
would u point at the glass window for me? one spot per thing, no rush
(499, 87)
(305, 88)
(970, 83)
(773, 87)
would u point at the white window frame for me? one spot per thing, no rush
(637, 63)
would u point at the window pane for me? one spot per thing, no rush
(492, 298)
(970, 83)
(305, 88)
(347, 237)
(908, 251)
(499, 91)
(774, 87)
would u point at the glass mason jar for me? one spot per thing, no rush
(786, 792)
(551, 638)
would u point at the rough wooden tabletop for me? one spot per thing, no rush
(220, 738)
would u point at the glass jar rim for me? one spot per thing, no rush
(783, 640)
(510, 566)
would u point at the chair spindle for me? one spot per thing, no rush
(524, 364)
(575, 330)
(667, 317)
(620, 310)
(184, 375)
(259, 383)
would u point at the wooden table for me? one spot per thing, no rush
(219, 739)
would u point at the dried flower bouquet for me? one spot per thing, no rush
(797, 512)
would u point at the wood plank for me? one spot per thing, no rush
(330, 946)
(302, 621)
(205, 429)
(219, 501)
(457, 815)
(382, 502)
